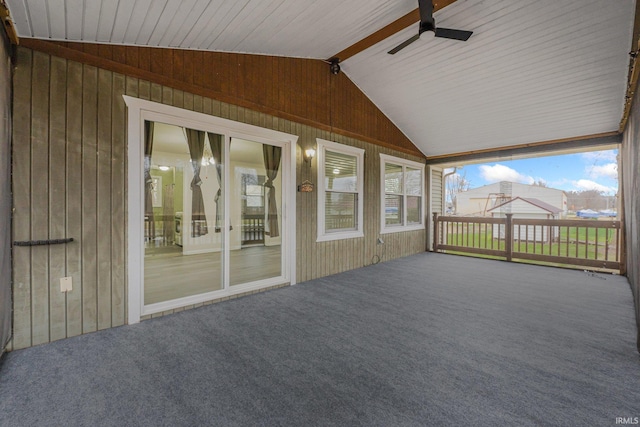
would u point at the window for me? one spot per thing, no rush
(402, 194)
(340, 191)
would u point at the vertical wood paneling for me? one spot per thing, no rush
(105, 51)
(630, 174)
(197, 64)
(6, 69)
(39, 197)
(21, 183)
(188, 66)
(118, 197)
(167, 63)
(82, 191)
(293, 86)
(74, 196)
(119, 53)
(144, 58)
(177, 98)
(103, 198)
(57, 196)
(89, 199)
(133, 56)
(156, 61)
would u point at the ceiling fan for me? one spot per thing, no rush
(427, 23)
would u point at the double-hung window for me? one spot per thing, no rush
(402, 198)
(340, 191)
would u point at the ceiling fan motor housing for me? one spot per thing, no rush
(427, 26)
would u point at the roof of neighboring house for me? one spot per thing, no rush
(535, 202)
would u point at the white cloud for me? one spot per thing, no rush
(610, 170)
(607, 156)
(585, 184)
(500, 172)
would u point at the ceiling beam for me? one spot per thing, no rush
(531, 149)
(387, 31)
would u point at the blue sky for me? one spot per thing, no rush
(596, 170)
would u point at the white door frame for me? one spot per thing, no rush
(140, 110)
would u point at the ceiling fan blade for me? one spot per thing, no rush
(403, 45)
(448, 33)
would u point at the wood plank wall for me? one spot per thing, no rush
(5, 192)
(630, 180)
(301, 90)
(69, 158)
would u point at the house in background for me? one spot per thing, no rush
(527, 208)
(479, 201)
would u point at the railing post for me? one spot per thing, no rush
(508, 237)
(435, 232)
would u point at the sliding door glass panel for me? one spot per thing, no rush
(183, 239)
(255, 209)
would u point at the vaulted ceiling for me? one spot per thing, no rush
(531, 72)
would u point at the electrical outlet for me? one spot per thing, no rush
(65, 284)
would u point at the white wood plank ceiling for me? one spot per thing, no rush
(532, 71)
(296, 28)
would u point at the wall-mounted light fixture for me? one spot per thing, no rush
(334, 66)
(309, 154)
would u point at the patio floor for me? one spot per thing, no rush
(430, 339)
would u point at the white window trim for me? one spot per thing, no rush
(140, 110)
(384, 228)
(323, 235)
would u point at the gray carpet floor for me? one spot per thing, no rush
(429, 339)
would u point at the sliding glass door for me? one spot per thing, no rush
(183, 201)
(212, 213)
(255, 209)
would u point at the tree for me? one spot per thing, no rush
(456, 183)
(589, 199)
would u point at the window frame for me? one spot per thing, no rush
(358, 153)
(404, 163)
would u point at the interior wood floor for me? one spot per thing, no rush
(169, 275)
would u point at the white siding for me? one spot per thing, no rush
(527, 233)
(436, 199)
